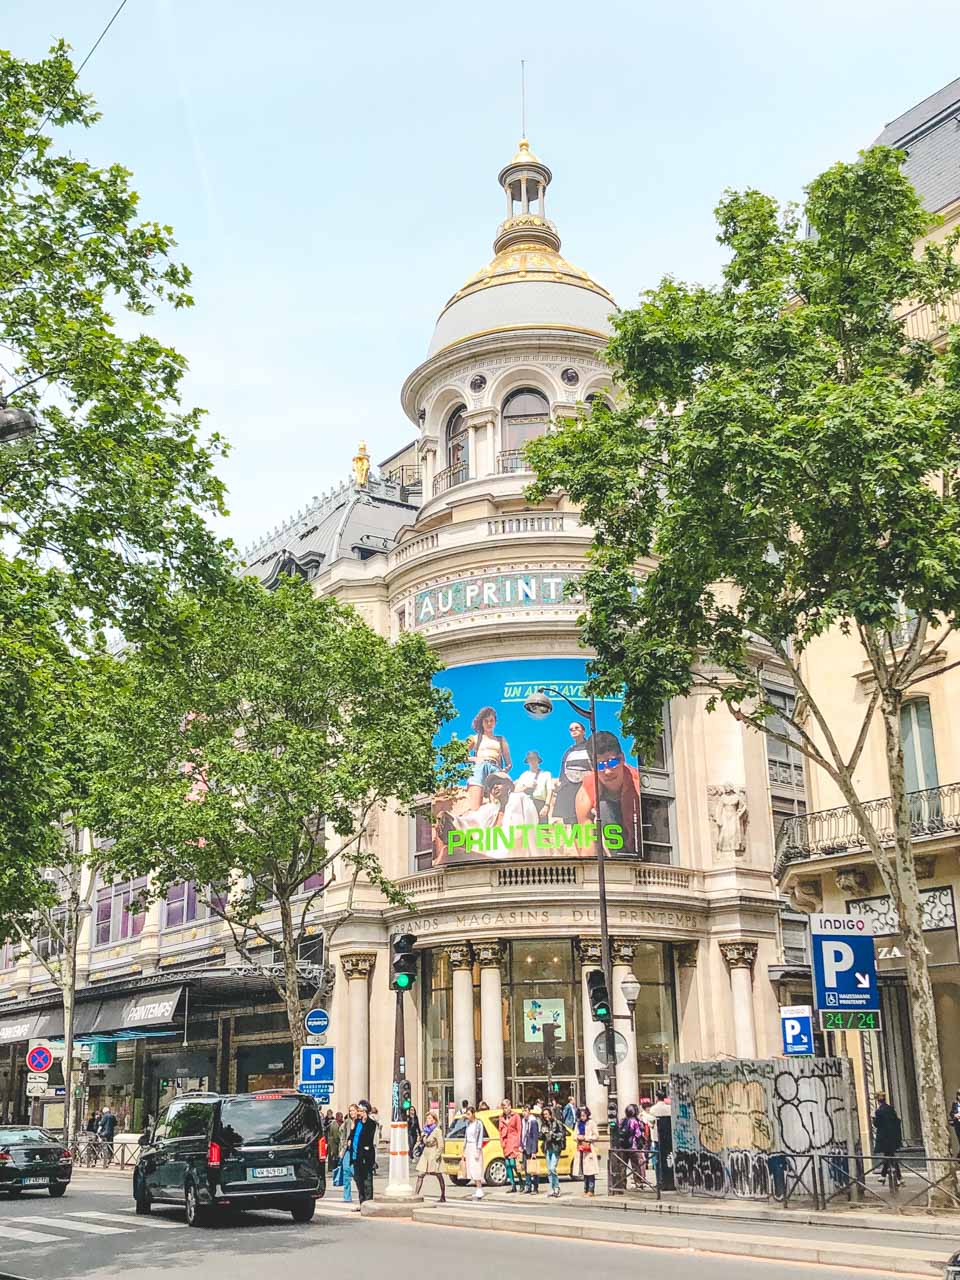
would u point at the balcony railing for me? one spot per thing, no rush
(828, 832)
(449, 476)
(926, 323)
(406, 476)
(509, 460)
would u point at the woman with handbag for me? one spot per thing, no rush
(553, 1137)
(587, 1135)
(473, 1140)
(431, 1140)
(509, 1126)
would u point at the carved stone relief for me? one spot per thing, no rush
(727, 805)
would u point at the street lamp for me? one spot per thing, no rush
(539, 705)
(631, 991)
(15, 424)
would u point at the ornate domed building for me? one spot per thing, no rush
(508, 924)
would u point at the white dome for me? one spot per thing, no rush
(523, 304)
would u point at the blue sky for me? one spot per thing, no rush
(330, 170)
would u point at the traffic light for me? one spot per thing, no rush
(599, 996)
(406, 1096)
(404, 970)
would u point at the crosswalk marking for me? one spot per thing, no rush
(28, 1237)
(64, 1224)
(119, 1217)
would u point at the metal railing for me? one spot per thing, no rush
(847, 1176)
(826, 832)
(927, 323)
(450, 476)
(90, 1152)
(509, 460)
(632, 1171)
(407, 476)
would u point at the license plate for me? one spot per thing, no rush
(35, 1182)
(281, 1171)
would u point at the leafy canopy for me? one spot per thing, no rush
(775, 467)
(284, 716)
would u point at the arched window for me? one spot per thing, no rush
(596, 397)
(525, 416)
(457, 438)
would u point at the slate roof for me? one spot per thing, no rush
(348, 522)
(930, 134)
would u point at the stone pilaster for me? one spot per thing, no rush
(357, 967)
(489, 957)
(464, 1041)
(740, 957)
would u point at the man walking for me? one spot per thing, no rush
(105, 1131)
(570, 1112)
(530, 1146)
(888, 1138)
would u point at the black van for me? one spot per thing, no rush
(210, 1151)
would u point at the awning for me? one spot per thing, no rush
(133, 1013)
(21, 1027)
(50, 1023)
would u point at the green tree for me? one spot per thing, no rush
(784, 463)
(103, 506)
(256, 760)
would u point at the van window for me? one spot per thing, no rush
(287, 1118)
(189, 1120)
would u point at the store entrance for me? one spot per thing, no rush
(548, 1093)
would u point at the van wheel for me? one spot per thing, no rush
(196, 1213)
(14, 1192)
(303, 1209)
(57, 1189)
(141, 1196)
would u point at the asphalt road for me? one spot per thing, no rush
(92, 1232)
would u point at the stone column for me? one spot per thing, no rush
(689, 1035)
(489, 956)
(357, 966)
(740, 957)
(628, 1078)
(464, 1042)
(595, 1094)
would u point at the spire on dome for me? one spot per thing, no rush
(525, 180)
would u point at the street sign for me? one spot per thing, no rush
(39, 1075)
(39, 1058)
(317, 1040)
(60, 1091)
(620, 1047)
(36, 1088)
(316, 1066)
(844, 964)
(849, 1020)
(316, 1021)
(319, 1091)
(796, 1029)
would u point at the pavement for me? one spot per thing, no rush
(93, 1232)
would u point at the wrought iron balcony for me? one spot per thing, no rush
(829, 832)
(511, 460)
(406, 476)
(449, 476)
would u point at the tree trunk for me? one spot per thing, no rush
(926, 1044)
(291, 979)
(68, 970)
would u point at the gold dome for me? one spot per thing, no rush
(524, 155)
(532, 261)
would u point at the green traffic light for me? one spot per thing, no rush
(403, 981)
(407, 1104)
(602, 1012)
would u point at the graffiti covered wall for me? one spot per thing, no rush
(741, 1127)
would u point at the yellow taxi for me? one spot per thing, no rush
(494, 1165)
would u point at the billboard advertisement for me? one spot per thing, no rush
(529, 790)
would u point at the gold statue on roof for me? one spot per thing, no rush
(361, 466)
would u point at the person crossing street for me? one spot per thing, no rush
(509, 1126)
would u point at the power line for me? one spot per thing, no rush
(116, 14)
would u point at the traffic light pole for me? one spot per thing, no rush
(398, 1180)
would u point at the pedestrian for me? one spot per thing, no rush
(375, 1117)
(587, 1134)
(530, 1148)
(333, 1142)
(537, 1107)
(105, 1131)
(327, 1119)
(570, 1112)
(413, 1131)
(463, 1109)
(509, 1126)
(553, 1138)
(483, 1106)
(364, 1151)
(93, 1122)
(955, 1118)
(635, 1139)
(346, 1151)
(431, 1156)
(888, 1138)
(473, 1151)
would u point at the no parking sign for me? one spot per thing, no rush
(39, 1058)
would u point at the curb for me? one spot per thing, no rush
(831, 1253)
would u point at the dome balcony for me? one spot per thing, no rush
(459, 473)
(511, 460)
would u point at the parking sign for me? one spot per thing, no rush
(844, 967)
(316, 1065)
(796, 1029)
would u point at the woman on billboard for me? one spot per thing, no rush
(619, 795)
(574, 767)
(489, 753)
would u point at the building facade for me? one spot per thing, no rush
(442, 540)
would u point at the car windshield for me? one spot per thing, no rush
(457, 1129)
(278, 1119)
(24, 1135)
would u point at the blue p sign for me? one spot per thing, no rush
(316, 1065)
(796, 1028)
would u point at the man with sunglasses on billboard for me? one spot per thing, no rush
(619, 796)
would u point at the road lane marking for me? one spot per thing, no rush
(145, 1220)
(29, 1237)
(88, 1228)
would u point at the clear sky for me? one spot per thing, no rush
(330, 170)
